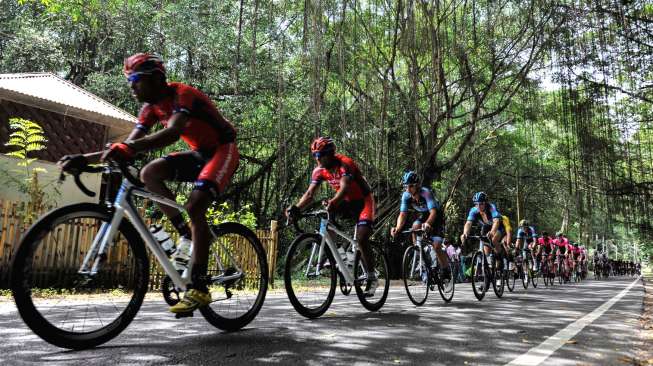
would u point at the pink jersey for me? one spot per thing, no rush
(547, 243)
(561, 243)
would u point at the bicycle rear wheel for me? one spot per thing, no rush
(415, 275)
(310, 290)
(361, 284)
(479, 276)
(446, 286)
(77, 309)
(238, 277)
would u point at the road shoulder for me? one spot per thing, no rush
(645, 351)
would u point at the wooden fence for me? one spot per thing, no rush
(63, 251)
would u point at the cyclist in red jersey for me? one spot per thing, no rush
(189, 114)
(546, 243)
(563, 244)
(353, 197)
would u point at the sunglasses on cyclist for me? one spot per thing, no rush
(135, 77)
(318, 154)
(411, 185)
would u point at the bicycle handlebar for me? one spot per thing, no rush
(410, 231)
(316, 213)
(127, 170)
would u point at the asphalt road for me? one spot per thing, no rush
(465, 332)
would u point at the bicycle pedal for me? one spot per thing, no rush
(184, 315)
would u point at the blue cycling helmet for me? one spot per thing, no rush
(479, 197)
(409, 177)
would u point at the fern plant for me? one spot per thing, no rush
(26, 138)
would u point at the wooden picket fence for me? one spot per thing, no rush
(64, 250)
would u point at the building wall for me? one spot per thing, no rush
(65, 134)
(69, 193)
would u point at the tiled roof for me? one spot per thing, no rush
(49, 91)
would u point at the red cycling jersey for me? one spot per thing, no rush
(206, 127)
(344, 167)
(547, 243)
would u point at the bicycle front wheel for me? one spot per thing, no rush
(446, 286)
(510, 277)
(361, 283)
(498, 283)
(523, 273)
(415, 275)
(310, 280)
(238, 277)
(479, 277)
(66, 305)
(534, 278)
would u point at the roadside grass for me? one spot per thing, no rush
(5, 295)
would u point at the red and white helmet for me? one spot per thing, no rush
(143, 63)
(323, 145)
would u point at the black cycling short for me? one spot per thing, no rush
(352, 210)
(187, 165)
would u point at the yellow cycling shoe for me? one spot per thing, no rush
(192, 300)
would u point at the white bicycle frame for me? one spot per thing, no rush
(325, 228)
(422, 264)
(124, 207)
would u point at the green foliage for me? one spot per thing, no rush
(27, 138)
(445, 88)
(223, 213)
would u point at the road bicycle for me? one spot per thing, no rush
(313, 263)
(533, 274)
(510, 276)
(484, 271)
(81, 272)
(420, 275)
(561, 269)
(521, 266)
(548, 274)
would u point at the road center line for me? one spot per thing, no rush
(541, 352)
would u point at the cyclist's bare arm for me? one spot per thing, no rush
(401, 221)
(495, 225)
(467, 228)
(308, 196)
(344, 188)
(433, 213)
(164, 137)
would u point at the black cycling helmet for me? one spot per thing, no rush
(479, 197)
(409, 177)
(524, 222)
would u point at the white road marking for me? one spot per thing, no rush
(541, 352)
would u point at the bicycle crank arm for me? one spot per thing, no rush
(228, 279)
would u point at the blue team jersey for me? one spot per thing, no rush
(490, 211)
(425, 201)
(527, 235)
